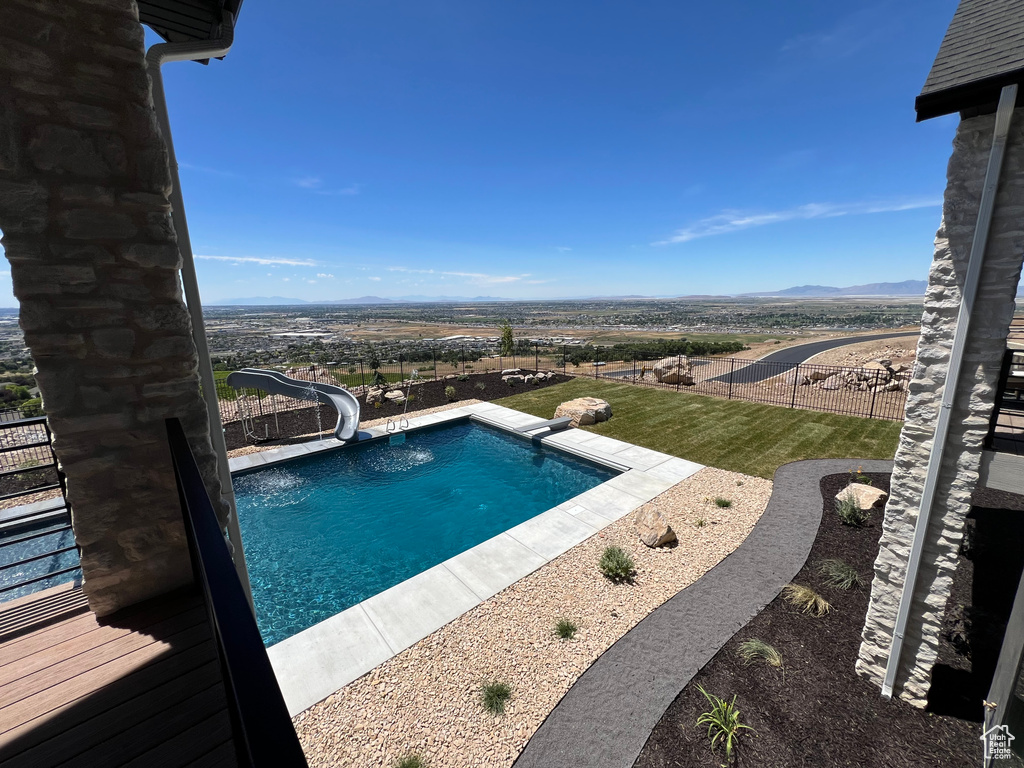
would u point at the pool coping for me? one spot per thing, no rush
(320, 660)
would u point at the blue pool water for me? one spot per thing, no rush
(326, 532)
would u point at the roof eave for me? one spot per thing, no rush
(970, 96)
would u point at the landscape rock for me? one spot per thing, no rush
(866, 496)
(654, 528)
(511, 371)
(513, 379)
(374, 395)
(835, 381)
(395, 396)
(793, 378)
(671, 370)
(585, 411)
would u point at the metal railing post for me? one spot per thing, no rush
(679, 376)
(362, 373)
(796, 383)
(401, 370)
(536, 357)
(874, 393)
(433, 359)
(732, 367)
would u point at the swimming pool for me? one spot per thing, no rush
(325, 532)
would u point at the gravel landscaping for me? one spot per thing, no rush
(427, 700)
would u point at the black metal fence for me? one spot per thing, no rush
(1006, 426)
(873, 392)
(37, 545)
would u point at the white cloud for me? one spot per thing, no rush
(316, 184)
(325, 276)
(286, 279)
(563, 248)
(309, 182)
(734, 221)
(477, 277)
(375, 279)
(351, 189)
(264, 260)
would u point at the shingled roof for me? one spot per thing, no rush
(983, 50)
(183, 21)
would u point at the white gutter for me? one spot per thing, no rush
(158, 55)
(1004, 115)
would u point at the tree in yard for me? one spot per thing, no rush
(508, 339)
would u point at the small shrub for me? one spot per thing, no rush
(411, 397)
(495, 696)
(754, 649)
(30, 408)
(806, 599)
(723, 722)
(616, 564)
(379, 379)
(411, 761)
(850, 512)
(463, 377)
(860, 477)
(739, 482)
(700, 522)
(566, 629)
(839, 575)
(449, 394)
(723, 503)
(481, 386)
(378, 404)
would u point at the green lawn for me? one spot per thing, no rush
(728, 434)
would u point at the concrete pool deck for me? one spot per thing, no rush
(318, 661)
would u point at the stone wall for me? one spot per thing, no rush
(971, 410)
(87, 230)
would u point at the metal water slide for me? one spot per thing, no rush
(343, 401)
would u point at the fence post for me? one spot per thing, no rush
(597, 357)
(563, 359)
(433, 359)
(401, 370)
(679, 376)
(874, 392)
(362, 373)
(463, 358)
(536, 357)
(796, 383)
(732, 367)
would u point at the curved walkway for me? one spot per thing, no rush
(607, 716)
(789, 358)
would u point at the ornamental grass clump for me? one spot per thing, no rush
(494, 697)
(723, 722)
(723, 503)
(411, 761)
(449, 393)
(806, 599)
(616, 564)
(566, 629)
(838, 574)
(850, 513)
(758, 650)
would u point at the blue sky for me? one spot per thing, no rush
(538, 149)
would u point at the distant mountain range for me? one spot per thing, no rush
(911, 288)
(284, 301)
(906, 288)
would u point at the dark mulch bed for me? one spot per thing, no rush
(817, 711)
(426, 394)
(979, 604)
(32, 477)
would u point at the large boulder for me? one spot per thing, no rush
(794, 378)
(654, 529)
(865, 496)
(584, 411)
(515, 378)
(834, 382)
(374, 395)
(673, 370)
(395, 396)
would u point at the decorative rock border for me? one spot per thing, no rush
(607, 716)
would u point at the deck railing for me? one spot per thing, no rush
(1006, 427)
(37, 545)
(262, 729)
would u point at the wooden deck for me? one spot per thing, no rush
(139, 688)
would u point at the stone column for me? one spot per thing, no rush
(86, 221)
(972, 405)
